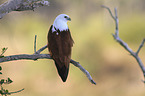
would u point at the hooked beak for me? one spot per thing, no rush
(69, 19)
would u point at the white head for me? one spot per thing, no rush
(60, 22)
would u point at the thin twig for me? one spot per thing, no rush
(41, 49)
(123, 44)
(83, 70)
(116, 23)
(3, 51)
(109, 11)
(16, 91)
(35, 44)
(141, 45)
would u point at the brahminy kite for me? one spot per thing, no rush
(60, 44)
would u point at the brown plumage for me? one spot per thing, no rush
(60, 44)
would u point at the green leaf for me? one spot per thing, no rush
(9, 80)
(3, 49)
(2, 81)
(1, 56)
(1, 92)
(6, 91)
(0, 68)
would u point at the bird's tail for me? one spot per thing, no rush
(62, 71)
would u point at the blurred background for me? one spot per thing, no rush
(114, 70)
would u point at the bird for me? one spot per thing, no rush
(60, 44)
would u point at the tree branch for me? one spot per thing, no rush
(20, 5)
(25, 57)
(83, 70)
(41, 49)
(141, 45)
(123, 44)
(37, 56)
(15, 92)
(35, 44)
(10, 93)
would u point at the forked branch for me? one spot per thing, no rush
(122, 43)
(37, 56)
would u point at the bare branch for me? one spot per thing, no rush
(35, 44)
(41, 49)
(109, 11)
(141, 45)
(21, 5)
(37, 56)
(14, 92)
(123, 44)
(83, 70)
(116, 23)
(25, 57)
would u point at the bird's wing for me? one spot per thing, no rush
(60, 44)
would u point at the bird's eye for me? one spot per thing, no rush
(65, 16)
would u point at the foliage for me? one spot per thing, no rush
(4, 91)
(2, 52)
